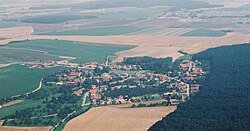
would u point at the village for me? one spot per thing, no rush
(118, 83)
(180, 15)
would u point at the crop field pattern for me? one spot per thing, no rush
(104, 31)
(203, 32)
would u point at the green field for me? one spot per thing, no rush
(206, 33)
(104, 31)
(100, 4)
(52, 19)
(11, 55)
(83, 52)
(5, 24)
(18, 79)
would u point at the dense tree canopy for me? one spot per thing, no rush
(223, 104)
(148, 63)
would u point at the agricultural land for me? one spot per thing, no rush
(123, 64)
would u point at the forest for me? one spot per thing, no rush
(223, 104)
(160, 65)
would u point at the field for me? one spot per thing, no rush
(104, 31)
(8, 34)
(17, 79)
(6, 24)
(13, 32)
(157, 46)
(123, 119)
(168, 31)
(130, 3)
(9, 128)
(83, 52)
(204, 32)
(52, 19)
(14, 55)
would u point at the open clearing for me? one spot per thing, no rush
(123, 119)
(9, 128)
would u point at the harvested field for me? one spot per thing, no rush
(157, 46)
(12, 103)
(11, 34)
(234, 4)
(123, 119)
(9, 128)
(14, 32)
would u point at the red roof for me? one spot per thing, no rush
(185, 61)
(32, 63)
(184, 65)
(93, 91)
(78, 92)
(197, 70)
(93, 86)
(75, 73)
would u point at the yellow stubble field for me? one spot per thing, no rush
(111, 118)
